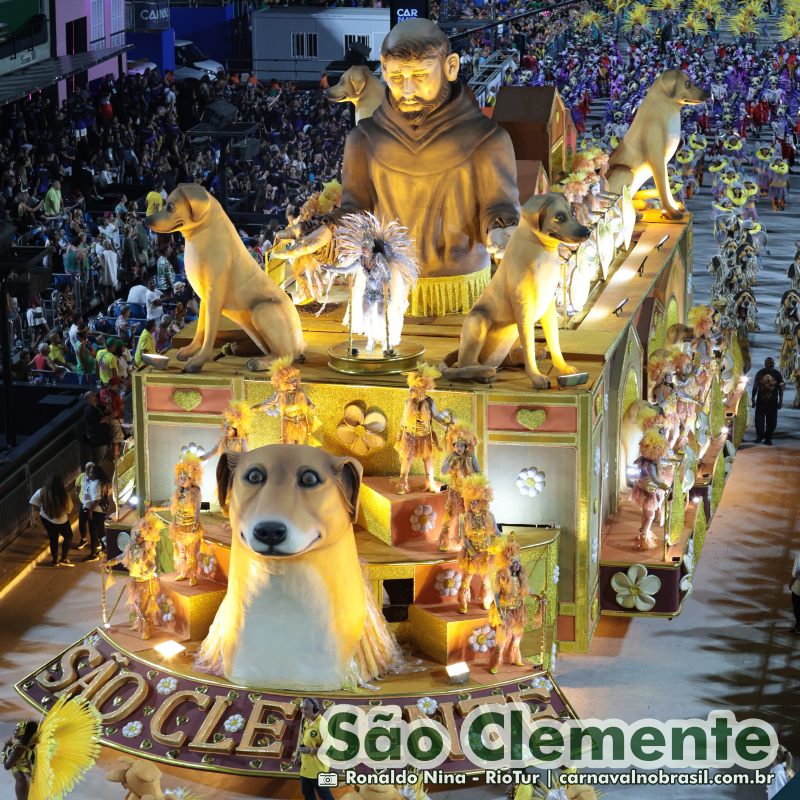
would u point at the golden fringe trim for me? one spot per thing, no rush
(455, 294)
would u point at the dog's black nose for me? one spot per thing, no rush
(270, 533)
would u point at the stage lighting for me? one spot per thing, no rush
(169, 649)
(618, 310)
(459, 673)
(662, 241)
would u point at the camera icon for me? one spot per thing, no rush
(327, 779)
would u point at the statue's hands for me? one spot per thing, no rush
(497, 241)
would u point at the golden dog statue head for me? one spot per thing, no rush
(185, 209)
(679, 88)
(550, 218)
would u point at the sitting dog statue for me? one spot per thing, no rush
(298, 613)
(228, 281)
(653, 138)
(521, 293)
(359, 87)
(142, 779)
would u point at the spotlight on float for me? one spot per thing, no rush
(576, 379)
(697, 499)
(641, 267)
(632, 474)
(662, 241)
(133, 501)
(724, 430)
(618, 310)
(169, 649)
(459, 673)
(155, 360)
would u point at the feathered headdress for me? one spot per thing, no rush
(354, 232)
(658, 365)
(148, 528)
(282, 369)
(695, 24)
(700, 319)
(638, 14)
(424, 374)
(653, 445)
(680, 359)
(476, 487)
(190, 466)
(237, 414)
(459, 431)
(330, 197)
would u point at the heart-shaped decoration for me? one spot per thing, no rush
(181, 720)
(464, 697)
(376, 702)
(187, 399)
(54, 668)
(286, 766)
(255, 763)
(46, 700)
(326, 704)
(173, 754)
(146, 745)
(110, 730)
(83, 663)
(27, 684)
(523, 686)
(218, 737)
(531, 418)
(207, 759)
(272, 719)
(117, 701)
(201, 689)
(497, 691)
(233, 695)
(151, 673)
(148, 711)
(264, 741)
(253, 697)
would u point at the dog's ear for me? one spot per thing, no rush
(671, 79)
(358, 78)
(229, 461)
(535, 209)
(197, 198)
(348, 472)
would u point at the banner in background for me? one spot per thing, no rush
(148, 15)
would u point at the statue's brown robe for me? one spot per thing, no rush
(449, 181)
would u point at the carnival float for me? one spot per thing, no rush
(513, 420)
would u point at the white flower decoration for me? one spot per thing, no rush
(178, 793)
(605, 470)
(597, 461)
(530, 482)
(688, 562)
(448, 582)
(166, 607)
(553, 658)
(92, 640)
(482, 640)
(132, 729)
(423, 519)
(234, 723)
(208, 563)
(636, 589)
(427, 705)
(556, 573)
(594, 552)
(542, 683)
(166, 685)
(408, 792)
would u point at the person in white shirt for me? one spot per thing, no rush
(93, 493)
(110, 263)
(53, 503)
(782, 772)
(137, 294)
(153, 301)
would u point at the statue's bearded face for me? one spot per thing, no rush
(417, 87)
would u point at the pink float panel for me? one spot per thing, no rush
(559, 419)
(213, 400)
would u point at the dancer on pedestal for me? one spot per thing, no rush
(478, 530)
(651, 485)
(235, 429)
(417, 438)
(297, 413)
(459, 463)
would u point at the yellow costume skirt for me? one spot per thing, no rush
(454, 294)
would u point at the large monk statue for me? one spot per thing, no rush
(430, 158)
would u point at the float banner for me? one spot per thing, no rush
(148, 15)
(401, 10)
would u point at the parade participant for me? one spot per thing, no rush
(297, 414)
(767, 397)
(416, 438)
(651, 484)
(478, 531)
(779, 183)
(459, 463)
(142, 588)
(309, 742)
(235, 429)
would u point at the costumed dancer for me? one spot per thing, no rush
(48, 758)
(235, 430)
(508, 612)
(143, 587)
(417, 438)
(298, 415)
(459, 463)
(650, 488)
(786, 320)
(662, 392)
(380, 257)
(477, 530)
(764, 156)
(779, 183)
(794, 368)
(185, 529)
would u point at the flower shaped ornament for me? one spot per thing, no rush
(427, 705)
(530, 482)
(234, 723)
(482, 640)
(448, 582)
(132, 729)
(422, 519)
(362, 431)
(688, 562)
(166, 686)
(636, 588)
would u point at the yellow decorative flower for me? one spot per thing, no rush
(362, 431)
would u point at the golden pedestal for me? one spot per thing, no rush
(195, 606)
